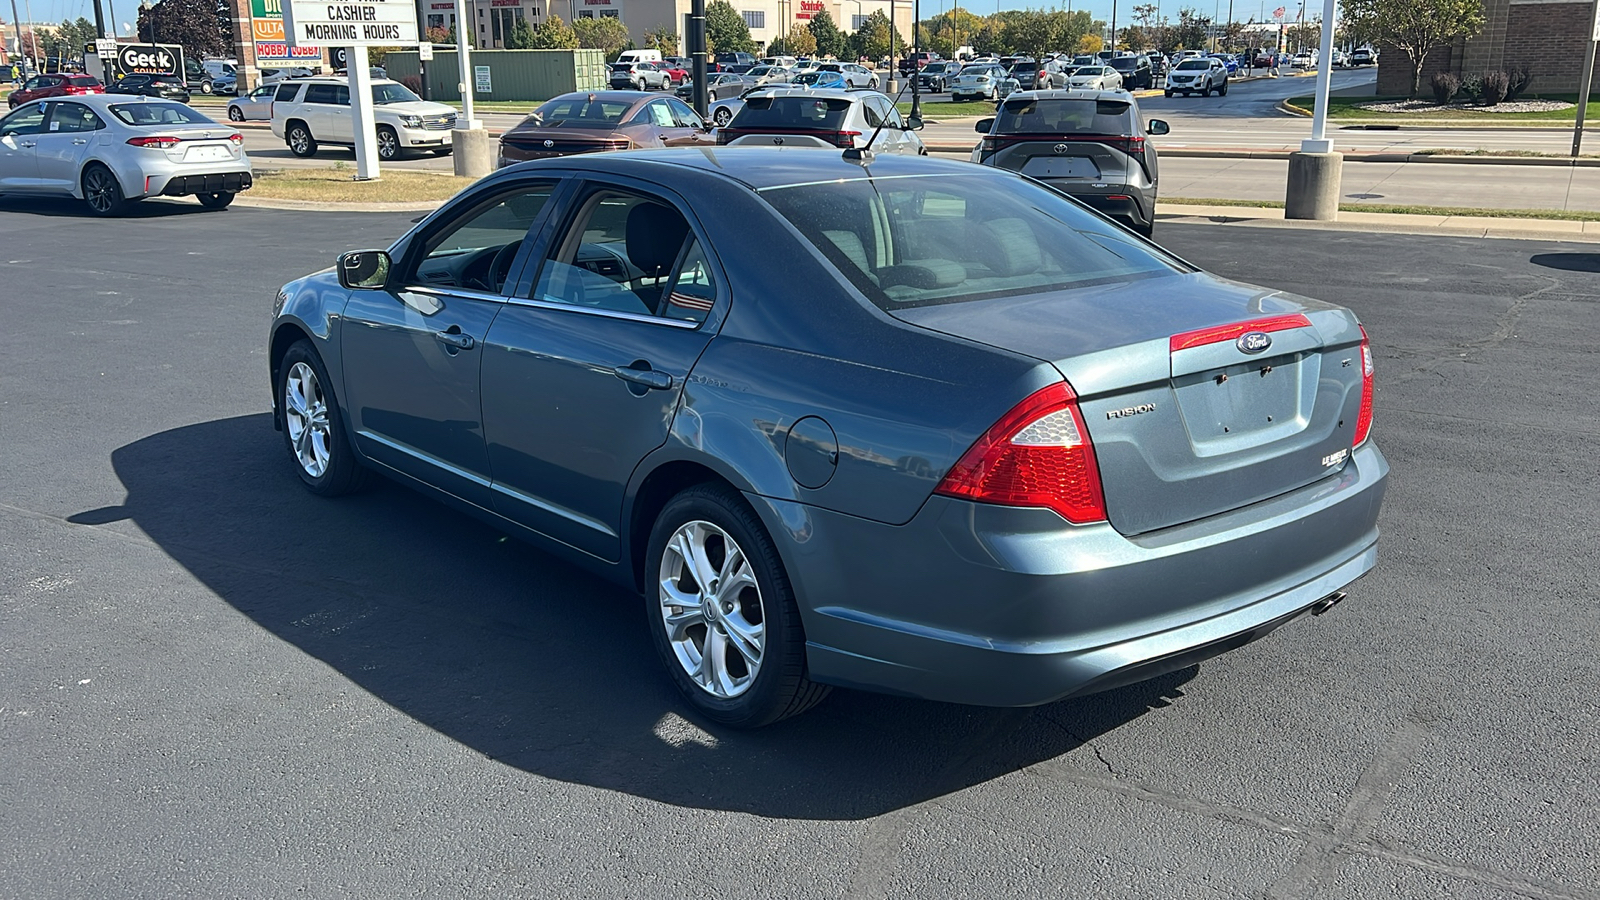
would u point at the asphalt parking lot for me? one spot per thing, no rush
(215, 684)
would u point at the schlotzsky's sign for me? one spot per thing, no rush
(308, 24)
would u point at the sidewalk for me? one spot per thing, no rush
(1390, 223)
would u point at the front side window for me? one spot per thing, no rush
(627, 252)
(23, 121)
(475, 251)
(928, 240)
(684, 115)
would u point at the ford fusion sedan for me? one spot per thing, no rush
(921, 426)
(607, 120)
(110, 150)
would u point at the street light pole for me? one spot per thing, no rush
(916, 48)
(1587, 81)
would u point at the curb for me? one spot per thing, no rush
(1583, 162)
(314, 206)
(1393, 223)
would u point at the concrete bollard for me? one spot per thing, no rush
(1313, 191)
(474, 153)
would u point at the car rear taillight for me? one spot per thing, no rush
(162, 142)
(1364, 418)
(844, 139)
(75, 89)
(1038, 455)
(236, 139)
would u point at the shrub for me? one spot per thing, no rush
(412, 82)
(1495, 85)
(1445, 85)
(1521, 80)
(1472, 87)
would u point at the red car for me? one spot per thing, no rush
(55, 86)
(675, 73)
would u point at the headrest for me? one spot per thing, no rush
(655, 235)
(1009, 246)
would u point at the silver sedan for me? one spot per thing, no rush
(110, 149)
(254, 106)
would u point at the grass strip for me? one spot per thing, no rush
(340, 186)
(1563, 215)
(1349, 108)
(934, 109)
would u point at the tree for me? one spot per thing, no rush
(1190, 32)
(521, 36)
(1133, 38)
(438, 34)
(876, 38)
(663, 38)
(799, 42)
(1415, 27)
(554, 34)
(726, 31)
(830, 40)
(990, 39)
(191, 24)
(604, 33)
(1090, 43)
(1305, 35)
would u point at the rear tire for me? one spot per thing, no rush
(300, 141)
(235, 114)
(747, 603)
(1223, 91)
(101, 191)
(218, 200)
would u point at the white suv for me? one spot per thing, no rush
(311, 111)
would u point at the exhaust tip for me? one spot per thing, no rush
(1327, 603)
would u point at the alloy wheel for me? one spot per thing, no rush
(722, 116)
(299, 140)
(235, 114)
(100, 190)
(305, 415)
(711, 606)
(388, 144)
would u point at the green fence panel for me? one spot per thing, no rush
(516, 75)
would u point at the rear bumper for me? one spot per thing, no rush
(212, 183)
(1012, 607)
(1134, 205)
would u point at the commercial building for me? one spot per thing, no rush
(1545, 36)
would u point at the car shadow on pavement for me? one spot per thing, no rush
(1568, 262)
(66, 207)
(539, 665)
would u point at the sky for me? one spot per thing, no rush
(1243, 10)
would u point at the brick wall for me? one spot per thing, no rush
(1548, 38)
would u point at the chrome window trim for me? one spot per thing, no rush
(603, 313)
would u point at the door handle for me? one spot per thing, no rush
(80, 140)
(649, 378)
(27, 144)
(455, 339)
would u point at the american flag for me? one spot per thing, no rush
(688, 301)
(1279, 13)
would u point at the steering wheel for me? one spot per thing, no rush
(500, 268)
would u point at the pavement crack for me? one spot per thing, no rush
(1505, 327)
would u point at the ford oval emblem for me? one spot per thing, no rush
(1254, 341)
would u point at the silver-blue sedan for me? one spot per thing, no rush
(254, 106)
(110, 150)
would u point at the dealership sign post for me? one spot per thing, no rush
(355, 26)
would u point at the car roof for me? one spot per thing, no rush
(1119, 95)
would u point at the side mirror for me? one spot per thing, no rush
(914, 123)
(1159, 126)
(364, 269)
(983, 126)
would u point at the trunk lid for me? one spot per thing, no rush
(1187, 423)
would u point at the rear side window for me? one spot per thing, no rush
(321, 93)
(818, 113)
(1028, 116)
(286, 93)
(926, 240)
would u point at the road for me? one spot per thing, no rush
(213, 684)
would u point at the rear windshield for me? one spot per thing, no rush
(622, 67)
(801, 112)
(158, 113)
(1032, 116)
(83, 81)
(925, 240)
(581, 112)
(1194, 64)
(1125, 63)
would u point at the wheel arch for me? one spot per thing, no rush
(285, 335)
(656, 489)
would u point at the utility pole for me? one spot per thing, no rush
(16, 24)
(697, 54)
(422, 64)
(1587, 80)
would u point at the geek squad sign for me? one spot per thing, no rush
(349, 24)
(149, 59)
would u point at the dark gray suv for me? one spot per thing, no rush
(1092, 145)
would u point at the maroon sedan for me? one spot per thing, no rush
(604, 120)
(62, 85)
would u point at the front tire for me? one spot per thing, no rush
(217, 200)
(205, 87)
(323, 457)
(388, 144)
(300, 141)
(722, 117)
(102, 192)
(1223, 91)
(1168, 93)
(722, 614)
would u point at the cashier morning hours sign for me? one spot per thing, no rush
(349, 24)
